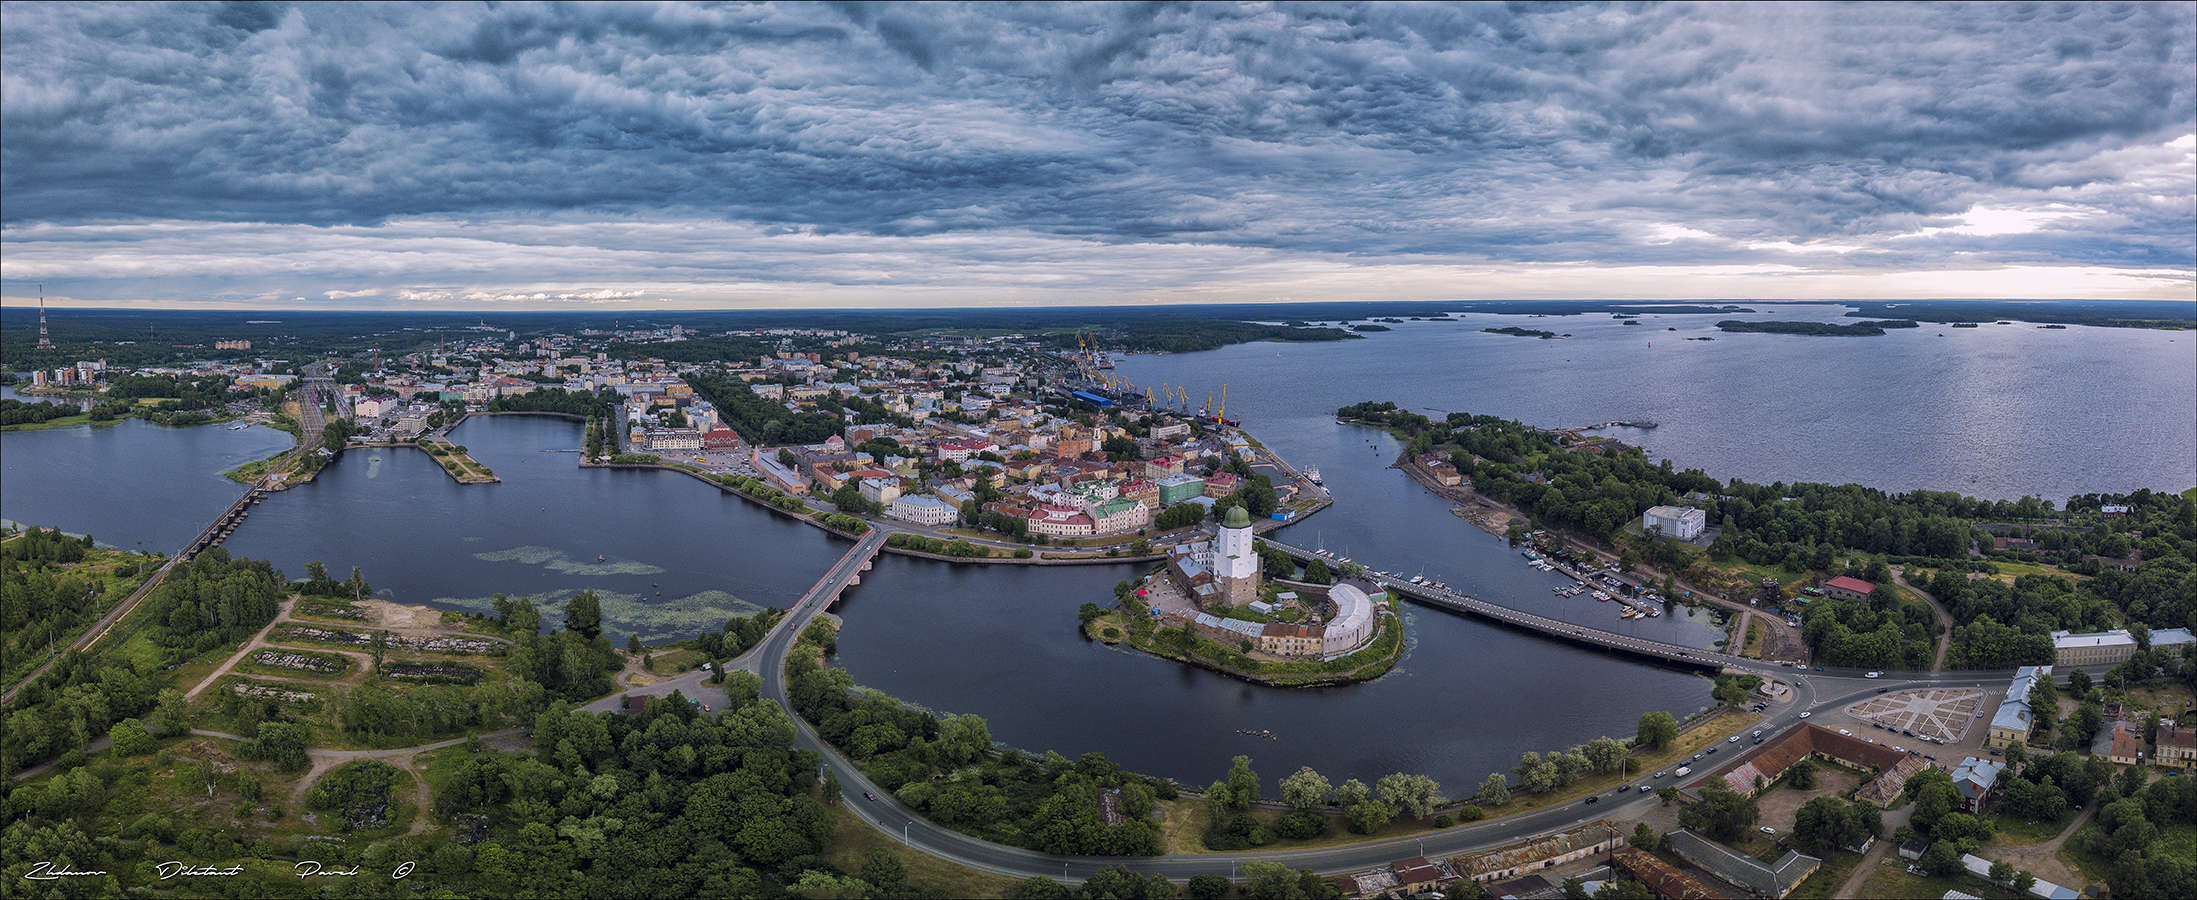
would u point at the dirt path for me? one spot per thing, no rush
(258, 640)
(1945, 619)
(2043, 860)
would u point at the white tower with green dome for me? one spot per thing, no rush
(1235, 564)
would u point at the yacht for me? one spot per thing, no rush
(1313, 475)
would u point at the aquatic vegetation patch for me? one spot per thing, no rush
(562, 563)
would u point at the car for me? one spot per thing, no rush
(1758, 740)
(1734, 739)
(1900, 749)
(1623, 788)
(1929, 757)
(1874, 675)
(866, 795)
(1697, 757)
(1758, 732)
(1805, 715)
(1995, 752)
(1767, 830)
(1712, 749)
(702, 668)
(1883, 690)
(1845, 732)
(1659, 774)
(1594, 799)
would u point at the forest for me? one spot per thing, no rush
(2142, 558)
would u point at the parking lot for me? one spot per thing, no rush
(1934, 715)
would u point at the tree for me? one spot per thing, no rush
(1317, 572)
(1270, 881)
(584, 614)
(1351, 793)
(1305, 788)
(1208, 886)
(1494, 790)
(884, 871)
(1368, 816)
(633, 644)
(1667, 794)
(1243, 783)
(1721, 814)
(1414, 794)
(130, 738)
(1941, 860)
(1657, 729)
(1039, 888)
(1802, 774)
(1643, 836)
(1604, 754)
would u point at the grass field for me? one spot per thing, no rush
(1891, 879)
(851, 841)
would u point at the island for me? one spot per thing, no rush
(1521, 332)
(1212, 605)
(1814, 329)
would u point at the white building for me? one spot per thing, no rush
(879, 490)
(1682, 522)
(922, 510)
(1353, 622)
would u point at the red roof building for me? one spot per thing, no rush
(1847, 587)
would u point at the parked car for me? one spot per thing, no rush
(1767, 830)
(1845, 732)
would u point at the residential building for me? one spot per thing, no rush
(721, 438)
(674, 439)
(2177, 746)
(1169, 432)
(879, 490)
(2125, 745)
(1847, 587)
(1976, 778)
(1415, 875)
(2106, 648)
(1119, 516)
(1447, 475)
(1162, 467)
(1775, 880)
(1221, 484)
(922, 510)
(1682, 522)
(2011, 724)
(1177, 488)
(1060, 521)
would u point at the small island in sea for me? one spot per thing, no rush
(1521, 332)
(1817, 329)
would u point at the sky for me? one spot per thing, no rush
(639, 156)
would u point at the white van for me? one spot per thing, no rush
(1682, 771)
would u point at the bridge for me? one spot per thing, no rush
(768, 657)
(1442, 598)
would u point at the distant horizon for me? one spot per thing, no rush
(16, 304)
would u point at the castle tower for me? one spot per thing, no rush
(1235, 564)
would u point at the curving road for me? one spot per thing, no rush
(1813, 692)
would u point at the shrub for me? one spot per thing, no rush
(1302, 824)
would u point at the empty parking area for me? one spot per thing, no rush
(1945, 714)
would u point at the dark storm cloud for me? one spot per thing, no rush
(1680, 135)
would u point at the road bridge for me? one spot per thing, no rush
(1442, 598)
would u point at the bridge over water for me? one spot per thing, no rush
(1452, 601)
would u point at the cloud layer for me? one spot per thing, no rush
(363, 155)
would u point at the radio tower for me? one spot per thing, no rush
(45, 342)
